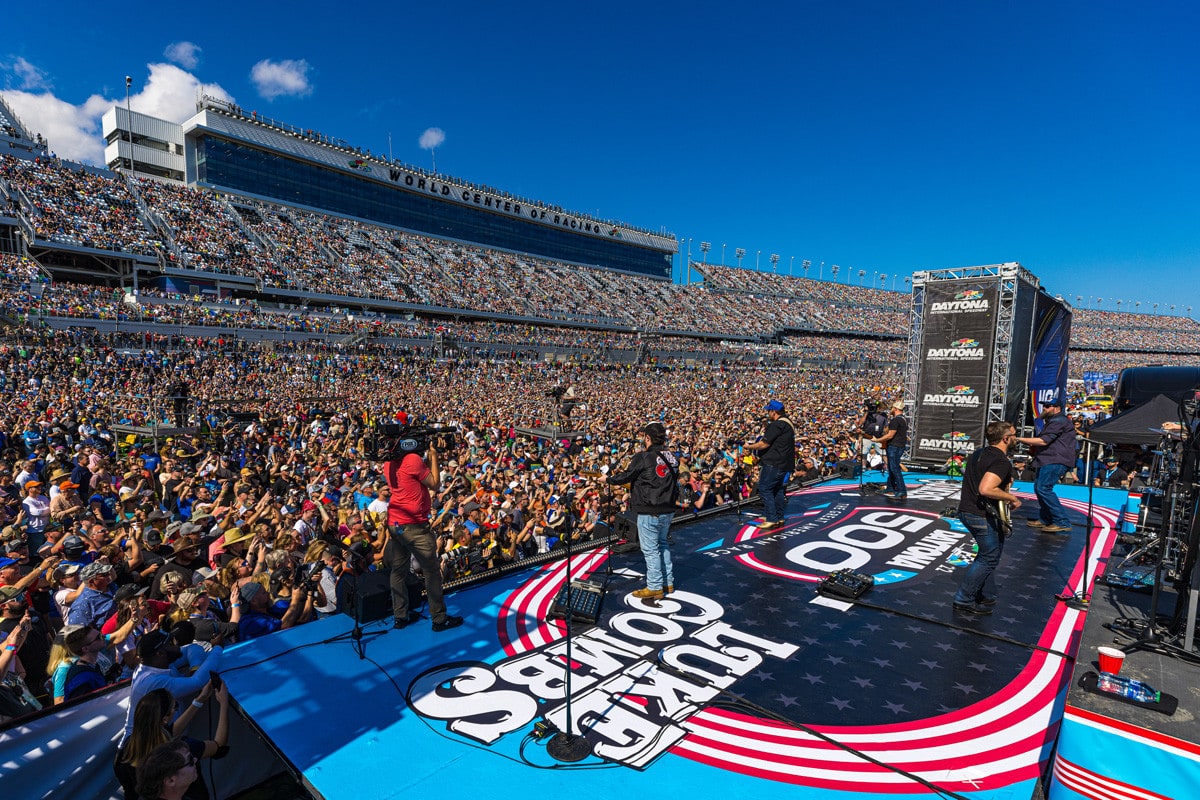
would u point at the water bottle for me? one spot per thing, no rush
(1127, 687)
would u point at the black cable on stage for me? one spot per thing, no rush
(741, 703)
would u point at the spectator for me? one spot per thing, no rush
(96, 603)
(158, 721)
(161, 660)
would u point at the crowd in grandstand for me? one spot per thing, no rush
(223, 529)
(76, 205)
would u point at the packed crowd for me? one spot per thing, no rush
(287, 500)
(122, 553)
(772, 283)
(289, 248)
(76, 205)
(1112, 330)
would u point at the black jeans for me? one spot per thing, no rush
(405, 543)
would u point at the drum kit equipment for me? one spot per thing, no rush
(1164, 544)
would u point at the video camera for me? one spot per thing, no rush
(391, 440)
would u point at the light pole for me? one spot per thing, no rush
(1078, 299)
(739, 254)
(756, 255)
(774, 263)
(704, 248)
(792, 266)
(722, 254)
(804, 265)
(862, 273)
(1119, 305)
(821, 272)
(129, 124)
(834, 269)
(907, 280)
(1156, 308)
(688, 274)
(883, 279)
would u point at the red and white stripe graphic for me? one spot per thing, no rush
(521, 622)
(1095, 786)
(984, 746)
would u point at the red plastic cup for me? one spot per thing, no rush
(1111, 660)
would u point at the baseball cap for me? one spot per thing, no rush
(129, 590)
(774, 405)
(154, 641)
(250, 590)
(1052, 401)
(7, 562)
(95, 568)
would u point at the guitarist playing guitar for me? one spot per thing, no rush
(983, 508)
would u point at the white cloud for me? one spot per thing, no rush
(287, 78)
(432, 138)
(32, 78)
(74, 130)
(185, 54)
(171, 93)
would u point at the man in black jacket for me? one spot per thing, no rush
(654, 478)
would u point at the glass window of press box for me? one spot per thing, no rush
(226, 164)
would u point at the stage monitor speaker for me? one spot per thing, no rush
(848, 470)
(582, 599)
(374, 597)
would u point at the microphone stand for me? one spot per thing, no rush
(1081, 599)
(568, 746)
(356, 635)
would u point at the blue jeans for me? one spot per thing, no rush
(652, 535)
(895, 480)
(977, 584)
(772, 488)
(1050, 508)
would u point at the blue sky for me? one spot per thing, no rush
(885, 137)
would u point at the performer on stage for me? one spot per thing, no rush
(654, 478)
(986, 483)
(776, 464)
(895, 439)
(411, 481)
(1056, 455)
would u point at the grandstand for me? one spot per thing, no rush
(304, 260)
(15, 135)
(230, 151)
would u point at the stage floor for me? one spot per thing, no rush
(743, 680)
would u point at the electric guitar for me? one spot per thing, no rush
(999, 512)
